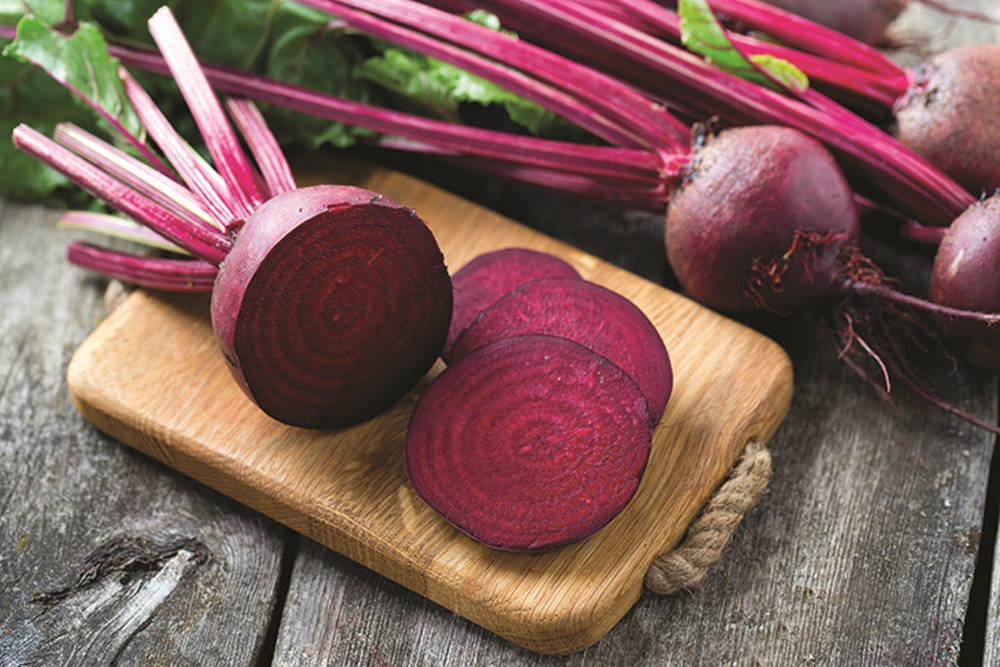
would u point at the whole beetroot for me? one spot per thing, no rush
(760, 221)
(765, 221)
(965, 275)
(948, 115)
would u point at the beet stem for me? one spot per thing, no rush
(117, 227)
(164, 191)
(647, 193)
(264, 147)
(798, 31)
(204, 181)
(571, 157)
(879, 86)
(207, 244)
(218, 135)
(914, 231)
(177, 275)
(653, 125)
(913, 183)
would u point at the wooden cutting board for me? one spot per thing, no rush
(151, 376)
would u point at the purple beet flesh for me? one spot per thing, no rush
(529, 443)
(586, 313)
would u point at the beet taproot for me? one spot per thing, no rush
(587, 313)
(529, 443)
(489, 276)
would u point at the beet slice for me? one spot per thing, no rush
(592, 315)
(491, 275)
(332, 304)
(529, 443)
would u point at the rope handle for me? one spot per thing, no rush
(686, 566)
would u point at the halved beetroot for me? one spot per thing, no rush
(529, 443)
(594, 316)
(491, 275)
(332, 304)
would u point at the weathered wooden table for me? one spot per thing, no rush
(873, 545)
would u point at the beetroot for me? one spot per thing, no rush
(586, 313)
(965, 274)
(947, 113)
(529, 443)
(760, 221)
(328, 302)
(331, 305)
(491, 275)
(784, 239)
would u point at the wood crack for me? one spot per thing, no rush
(126, 554)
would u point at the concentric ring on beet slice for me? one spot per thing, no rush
(329, 318)
(529, 443)
(489, 276)
(585, 312)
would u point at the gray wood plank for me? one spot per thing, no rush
(991, 656)
(184, 576)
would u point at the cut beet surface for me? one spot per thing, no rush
(529, 443)
(594, 316)
(332, 304)
(491, 275)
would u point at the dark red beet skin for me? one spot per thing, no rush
(966, 275)
(949, 115)
(584, 312)
(760, 221)
(491, 275)
(529, 443)
(333, 302)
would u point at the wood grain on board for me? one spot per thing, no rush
(151, 376)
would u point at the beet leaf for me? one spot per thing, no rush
(80, 62)
(702, 33)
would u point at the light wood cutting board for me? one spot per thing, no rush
(151, 376)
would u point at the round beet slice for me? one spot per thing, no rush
(529, 443)
(587, 313)
(491, 275)
(332, 304)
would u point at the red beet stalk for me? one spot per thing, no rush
(329, 302)
(911, 182)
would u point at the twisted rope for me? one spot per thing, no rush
(686, 565)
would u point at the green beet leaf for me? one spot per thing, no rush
(702, 33)
(430, 86)
(80, 62)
